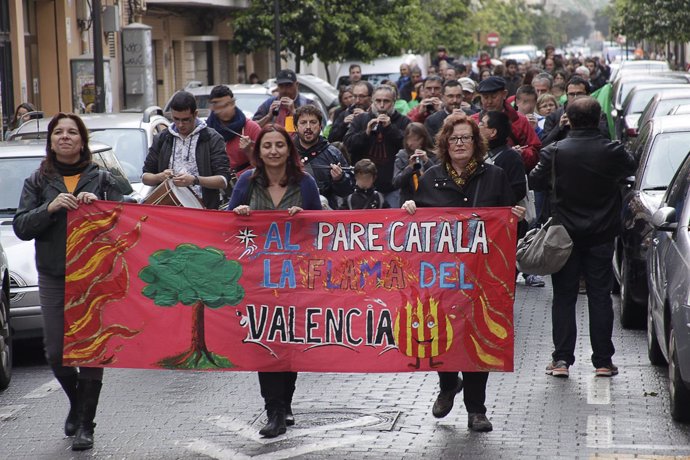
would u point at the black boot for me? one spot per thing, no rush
(275, 425)
(69, 385)
(88, 391)
(289, 417)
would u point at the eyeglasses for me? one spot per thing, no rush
(466, 139)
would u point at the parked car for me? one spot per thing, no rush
(5, 323)
(322, 90)
(386, 68)
(18, 159)
(660, 149)
(639, 66)
(130, 134)
(633, 105)
(662, 103)
(668, 318)
(507, 52)
(624, 83)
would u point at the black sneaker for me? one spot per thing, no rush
(558, 369)
(444, 401)
(479, 422)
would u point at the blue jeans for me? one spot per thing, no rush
(594, 263)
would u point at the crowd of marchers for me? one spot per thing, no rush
(456, 138)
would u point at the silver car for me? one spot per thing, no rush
(5, 326)
(668, 265)
(130, 134)
(18, 159)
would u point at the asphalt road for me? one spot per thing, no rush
(195, 415)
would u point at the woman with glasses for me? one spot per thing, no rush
(462, 179)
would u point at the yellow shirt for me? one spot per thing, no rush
(71, 182)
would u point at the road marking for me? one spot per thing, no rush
(599, 391)
(250, 432)
(7, 412)
(44, 390)
(215, 451)
(599, 431)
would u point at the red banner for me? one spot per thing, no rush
(329, 291)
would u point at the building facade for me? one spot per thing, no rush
(46, 50)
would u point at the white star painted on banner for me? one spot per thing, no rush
(246, 236)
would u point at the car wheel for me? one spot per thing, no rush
(654, 352)
(631, 312)
(680, 394)
(5, 342)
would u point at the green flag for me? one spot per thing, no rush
(603, 95)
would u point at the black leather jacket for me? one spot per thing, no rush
(317, 161)
(588, 170)
(488, 187)
(32, 220)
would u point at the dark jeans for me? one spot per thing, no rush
(51, 290)
(277, 389)
(473, 388)
(594, 263)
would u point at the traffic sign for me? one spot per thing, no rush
(492, 39)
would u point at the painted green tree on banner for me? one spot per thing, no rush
(196, 277)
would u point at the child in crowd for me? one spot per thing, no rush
(412, 160)
(546, 104)
(526, 104)
(365, 195)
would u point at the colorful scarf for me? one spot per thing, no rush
(462, 178)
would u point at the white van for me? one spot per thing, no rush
(513, 51)
(381, 69)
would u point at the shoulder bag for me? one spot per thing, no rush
(546, 249)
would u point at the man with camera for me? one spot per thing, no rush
(378, 136)
(453, 100)
(278, 109)
(557, 125)
(361, 93)
(430, 103)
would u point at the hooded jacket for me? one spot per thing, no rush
(211, 159)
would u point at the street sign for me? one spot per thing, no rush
(492, 39)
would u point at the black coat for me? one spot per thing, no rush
(588, 170)
(553, 131)
(317, 161)
(32, 220)
(488, 187)
(380, 147)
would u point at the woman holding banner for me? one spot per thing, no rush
(277, 183)
(462, 179)
(66, 179)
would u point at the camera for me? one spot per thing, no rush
(417, 164)
(375, 128)
(275, 112)
(429, 108)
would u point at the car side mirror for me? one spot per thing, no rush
(629, 181)
(664, 219)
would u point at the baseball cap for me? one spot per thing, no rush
(286, 76)
(467, 84)
(492, 84)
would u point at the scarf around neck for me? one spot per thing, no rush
(462, 178)
(228, 130)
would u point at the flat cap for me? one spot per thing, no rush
(492, 84)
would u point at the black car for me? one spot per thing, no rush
(660, 149)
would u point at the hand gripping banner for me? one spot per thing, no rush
(163, 287)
